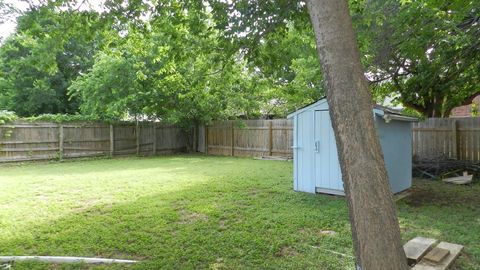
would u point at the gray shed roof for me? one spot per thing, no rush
(387, 113)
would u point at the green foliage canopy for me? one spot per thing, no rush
(188, 62)
(169, 69)
(38, 63)
(423, 54)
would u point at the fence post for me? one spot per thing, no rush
(137, 133)
(233, 140)
(154, 150)
(112, 141)
(60, 142)
(454, 139)
(270, 138)
(195, 138)
(206, 139)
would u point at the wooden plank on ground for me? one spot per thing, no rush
(455, 251)
(399, 196)
(436, 254)
(273, 158)
(416, 248)
(459, 180)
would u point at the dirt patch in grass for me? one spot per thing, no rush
(423, 196)
(327, 232)
(187, 217)
(286, 252)
(179, 205)
(316, 232)
(222, 224)
(218, 264)
(420, 197)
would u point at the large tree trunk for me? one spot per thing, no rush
(376, 234)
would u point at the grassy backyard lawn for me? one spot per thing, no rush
(196, 212)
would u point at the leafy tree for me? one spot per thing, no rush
(171, 68)
(47, 52)
(423, 54)
(246, 23)
(109, 88)
(289, 48)
(288, 63)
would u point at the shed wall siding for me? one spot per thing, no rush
(396, 141)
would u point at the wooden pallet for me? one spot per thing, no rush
(423, 253)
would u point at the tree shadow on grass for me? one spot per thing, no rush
(244, 222)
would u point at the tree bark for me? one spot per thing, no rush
(375, 229)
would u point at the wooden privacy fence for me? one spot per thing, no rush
(457, 138)
(249, 138)
(21, 141)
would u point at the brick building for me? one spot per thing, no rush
(465, 111)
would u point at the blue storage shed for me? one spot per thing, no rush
(315, 157)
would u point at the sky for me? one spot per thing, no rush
(6, 29)
(9, 26)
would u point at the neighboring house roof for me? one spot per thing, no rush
(465, 111)
(387, 113)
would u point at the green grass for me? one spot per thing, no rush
(196, 212)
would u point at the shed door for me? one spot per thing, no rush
(327, 167)
(304, 157)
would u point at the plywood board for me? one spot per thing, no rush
(416, 248)
(436, 254)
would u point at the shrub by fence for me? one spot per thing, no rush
(21, 141)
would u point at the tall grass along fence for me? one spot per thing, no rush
(455, 138)
(248, 138)
(22, 141)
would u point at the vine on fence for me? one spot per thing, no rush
(9, 117)
(5, 118)
(61, 118)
